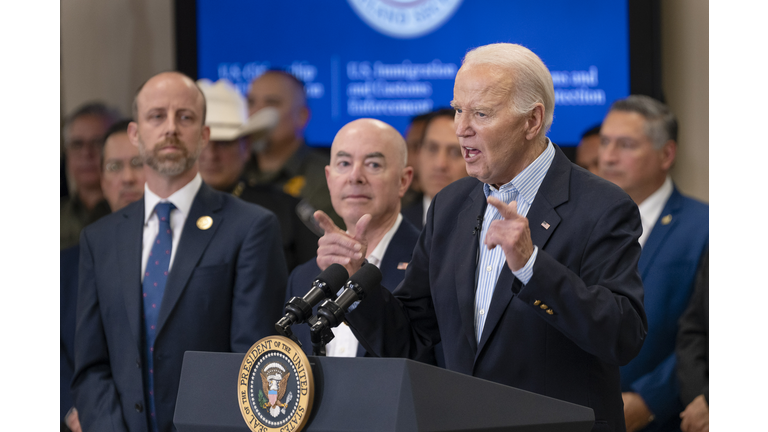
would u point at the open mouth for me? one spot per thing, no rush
(470, 153)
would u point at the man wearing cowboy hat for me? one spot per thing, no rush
(222, 165)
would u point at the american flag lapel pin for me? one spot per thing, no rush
(402, 266)
(545, 225)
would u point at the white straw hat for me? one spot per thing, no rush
(227, 112)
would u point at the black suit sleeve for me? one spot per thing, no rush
(95, 394)
(693, 340)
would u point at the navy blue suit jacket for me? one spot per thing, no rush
(585, 273)
(398, 253)
(668, 265)
(68, 306)
(224, 292)
(414, 212)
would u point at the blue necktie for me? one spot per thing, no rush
(155, 276)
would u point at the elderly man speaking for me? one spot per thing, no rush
(526, 271)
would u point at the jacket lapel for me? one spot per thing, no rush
(542, 221)
(191, 246)
(129, 230)
(664, 224)
(466, 265)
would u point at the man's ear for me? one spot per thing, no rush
(668, 154)
(205, 135)
(133, 133)
(535, 122)
(405, 180)
(304, 116)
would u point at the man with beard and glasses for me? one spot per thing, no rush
(185, 268)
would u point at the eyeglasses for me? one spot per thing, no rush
(115, 166)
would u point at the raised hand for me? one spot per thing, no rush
(338, 246)
(511, 233)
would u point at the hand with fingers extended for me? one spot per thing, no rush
(339, 247)
(511, 233)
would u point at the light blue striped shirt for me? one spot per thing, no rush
(523, 189)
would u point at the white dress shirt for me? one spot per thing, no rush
(344, 343)
(425, 202)
(182, 199)
(651, 208)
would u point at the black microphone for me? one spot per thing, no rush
(299, 310)
(331, 313)
(479, 226)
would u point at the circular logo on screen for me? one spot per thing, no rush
(405, 19)
(275, 386)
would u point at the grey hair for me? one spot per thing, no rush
(533, 82)
(97, 109)
(660, 121)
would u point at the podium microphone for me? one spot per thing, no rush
(299, 310)
(331, 313)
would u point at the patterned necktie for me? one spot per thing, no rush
(153, 287)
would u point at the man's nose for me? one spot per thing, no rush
(356, 175)
(128, 175)
(461, 123)
(171, 126)
(606, 154)
(441, 160)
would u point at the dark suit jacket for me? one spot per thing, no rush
(68, 306)
(693, 340)
(399, 251)
(585, 272)
(224, 292)
(668, 266)
(299, 242)
(414, 212)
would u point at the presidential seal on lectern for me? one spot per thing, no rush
(275, 387)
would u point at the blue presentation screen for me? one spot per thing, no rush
(394, 59)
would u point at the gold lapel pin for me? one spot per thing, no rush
(666, 219)
(204, 222)
(545, 225)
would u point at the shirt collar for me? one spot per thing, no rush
(651, 207)
(377, 255)
(529, 180)
(181, 199)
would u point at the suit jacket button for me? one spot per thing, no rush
(139, 407)
(543, 306)
(537, 302)
(549, 311)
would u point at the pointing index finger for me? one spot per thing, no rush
(507, 211)
(325, 222)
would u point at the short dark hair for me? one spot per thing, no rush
(135, 105)
(440, 112)
(293, 79)
(121, 126)
(93, 108)
(660, 122)
(594, 130)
